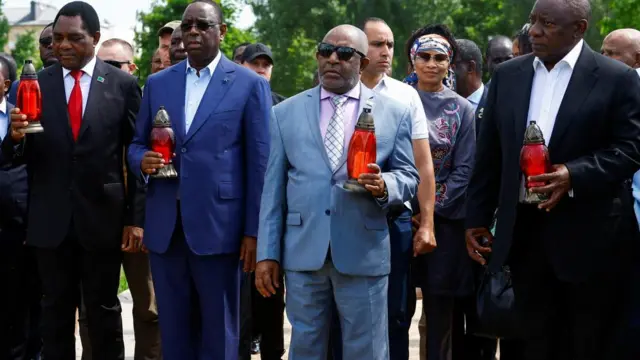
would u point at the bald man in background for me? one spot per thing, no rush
(624, 45)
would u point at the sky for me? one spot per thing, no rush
(121, 14)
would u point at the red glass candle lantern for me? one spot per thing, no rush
(29, 98)
(163, 141)
(362, 150)
(534, 160)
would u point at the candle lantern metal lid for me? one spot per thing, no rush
(162, 119)
(533, 135)
(28, 71)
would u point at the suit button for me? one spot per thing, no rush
(183, 150)
(327, 212)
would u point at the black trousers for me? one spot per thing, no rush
(565, 320)
(20, 305)
(263, 317)
(471, 347)
(65, 272)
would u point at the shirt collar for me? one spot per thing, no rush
(353, 93)
(3, 106)
(570, 59)
(476, 95)
(87, 69)
(382, 84)
(212, 65)
(638, 70)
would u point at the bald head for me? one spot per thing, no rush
(499, 50)
(350, 33)
(338, 64)
(623, 45)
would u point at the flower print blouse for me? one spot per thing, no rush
(452, 138)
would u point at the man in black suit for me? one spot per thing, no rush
(569, 255)
(20, 307)
(79, 214)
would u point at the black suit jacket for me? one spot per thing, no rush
(13, 199)
(480, 110)
(82, 182)
(596, 135)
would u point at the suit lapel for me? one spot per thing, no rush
(221, 81)
(96, 96)
(313, 120)
(523, 81)
(580, 86)
(178, 77)
(365, 95)
(55, 85)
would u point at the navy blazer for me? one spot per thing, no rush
(220, 161)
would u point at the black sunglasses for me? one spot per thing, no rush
(438, 58)
(199, 24)
(117, 64)
(46, 41)
(345, 53)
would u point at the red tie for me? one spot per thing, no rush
(75, 104)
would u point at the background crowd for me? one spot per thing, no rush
(257, 213)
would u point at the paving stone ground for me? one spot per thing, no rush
(129, 340)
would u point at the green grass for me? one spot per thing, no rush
(123, 282)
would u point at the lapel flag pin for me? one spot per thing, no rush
(100, 79)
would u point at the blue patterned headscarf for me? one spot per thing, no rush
(432, 43)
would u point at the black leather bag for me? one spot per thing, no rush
(495, 307)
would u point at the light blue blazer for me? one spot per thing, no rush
(304, 208)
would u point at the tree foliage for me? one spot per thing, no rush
(164, 11)
(293, 27)
(26, 48)
(4, 27)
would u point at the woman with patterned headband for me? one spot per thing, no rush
(445, 274)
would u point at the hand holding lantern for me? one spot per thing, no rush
(163, 141)
(534, 160)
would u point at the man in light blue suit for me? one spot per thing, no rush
(333, 244)
(198, 226)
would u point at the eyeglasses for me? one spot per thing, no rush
(46, 41)
(438, 58)
(199, 24)
(345, 53)
(117, 64)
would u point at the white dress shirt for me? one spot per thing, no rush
(85, 82)
(408, 96)
(547, 93)
(196, 85)
(4, 119)
(475, 98)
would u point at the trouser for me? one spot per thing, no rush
(361, 303)
(20, 305)
(401, 293)
(67, 271)
(264, 317)
(198, 300)
(145, 313)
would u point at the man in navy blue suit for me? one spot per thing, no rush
(200, 225)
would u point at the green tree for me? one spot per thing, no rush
(4, 27)
(619, 14)
(26, 48)
(164, 11)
